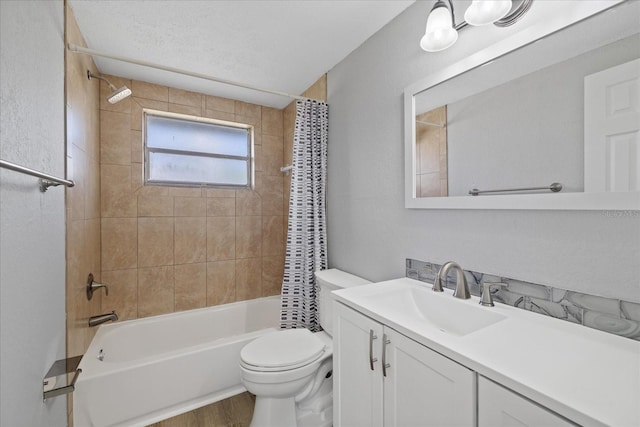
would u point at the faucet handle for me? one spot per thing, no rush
(92, 286)
(487, 299)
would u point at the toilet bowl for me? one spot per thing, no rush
(290, 371)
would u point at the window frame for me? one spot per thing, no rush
(250, 158)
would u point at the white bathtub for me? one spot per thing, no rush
(158, 367)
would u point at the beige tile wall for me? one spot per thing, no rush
(83, 200)
(166, 249)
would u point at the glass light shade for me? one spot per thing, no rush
(439, 33)
(485, 12)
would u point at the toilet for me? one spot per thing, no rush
(290, 371)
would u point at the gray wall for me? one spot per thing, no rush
(32, 245)
(370, 231)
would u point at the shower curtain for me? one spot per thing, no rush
(306, 249)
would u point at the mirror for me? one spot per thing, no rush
(512, 117)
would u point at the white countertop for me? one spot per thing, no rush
(588, 376)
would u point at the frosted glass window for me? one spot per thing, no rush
(168, 167)
(170, 133)
(192, 151)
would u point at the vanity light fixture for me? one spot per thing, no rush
(484, 12)
(442, 32)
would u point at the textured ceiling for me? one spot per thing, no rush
(280, 45)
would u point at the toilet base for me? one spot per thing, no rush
(319, 413)
(274, 412)
(314, 411)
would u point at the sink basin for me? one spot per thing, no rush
(441, 310)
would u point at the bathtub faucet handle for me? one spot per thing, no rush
(92, 286)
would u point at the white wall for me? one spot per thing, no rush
(370, 231)
(32, 245)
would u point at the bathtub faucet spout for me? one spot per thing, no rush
(103, 318)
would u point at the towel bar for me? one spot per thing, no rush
(46, 180)
(554, 187)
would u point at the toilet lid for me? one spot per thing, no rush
(283, 349)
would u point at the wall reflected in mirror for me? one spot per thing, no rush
(431, 153)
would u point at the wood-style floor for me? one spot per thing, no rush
(233, 412)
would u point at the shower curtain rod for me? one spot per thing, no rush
(87, 51)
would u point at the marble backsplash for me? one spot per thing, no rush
(606, 314)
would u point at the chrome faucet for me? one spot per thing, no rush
(103, 318)
(462, 288)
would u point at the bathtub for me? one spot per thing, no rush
(138, 372)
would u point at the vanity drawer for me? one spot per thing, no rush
(500, 407)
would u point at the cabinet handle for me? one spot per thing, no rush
(371, 358)
(385, 365)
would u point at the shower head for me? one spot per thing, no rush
(117, 95)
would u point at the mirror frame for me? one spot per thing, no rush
(557, 201)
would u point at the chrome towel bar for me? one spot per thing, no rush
(554, 187)
(46, 180)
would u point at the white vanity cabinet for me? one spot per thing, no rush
(357, 385)
(501, 407)
(383, 378)
(452, 362)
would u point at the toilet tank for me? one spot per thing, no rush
(331, 280)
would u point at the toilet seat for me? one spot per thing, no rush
(282, 351)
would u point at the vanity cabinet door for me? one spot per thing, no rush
(357, 383)
(500, 407)
(424, 388)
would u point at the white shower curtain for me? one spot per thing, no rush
(307, 232)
